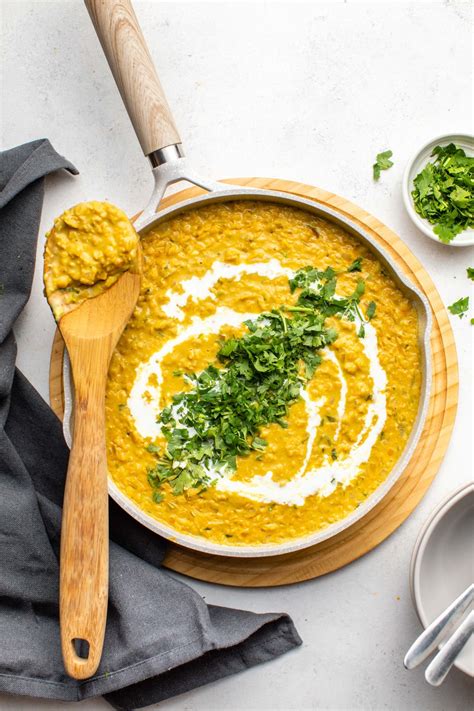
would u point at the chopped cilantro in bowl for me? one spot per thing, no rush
(438, 190)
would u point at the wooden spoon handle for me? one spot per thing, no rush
(84, 534)
(132, 66)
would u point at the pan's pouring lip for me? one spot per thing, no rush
(221, 192)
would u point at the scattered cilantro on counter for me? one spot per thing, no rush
(382, 162)
(460, 307)
(444, 192)
(259, 376)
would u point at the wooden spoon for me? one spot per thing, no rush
(90, 331)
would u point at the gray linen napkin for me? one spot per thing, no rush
(161, 639)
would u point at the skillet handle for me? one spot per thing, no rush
(124, 46)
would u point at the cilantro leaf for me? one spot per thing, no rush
(304, 278)
(371, 309)
(382, 162)
(460, 307)
(356, 265)
(470, 273)
(360, 288)
(447, 233)
(152, 448)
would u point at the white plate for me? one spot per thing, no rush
(415, 166)
(442, 565)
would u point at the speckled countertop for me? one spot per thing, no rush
(304, 91)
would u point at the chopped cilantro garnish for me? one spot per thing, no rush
(371, 309)
(460, 307)
(152, 448)
(470, 273)
(382, 162)
(310, 277)
(356, 265)
(260, 375)
(444, 192)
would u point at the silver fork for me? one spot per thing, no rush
(437, 671)
(438, 630)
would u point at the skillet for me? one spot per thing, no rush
(130, 62)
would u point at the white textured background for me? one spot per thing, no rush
(304, 91)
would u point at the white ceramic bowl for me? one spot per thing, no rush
(415, 165)
(442, 565)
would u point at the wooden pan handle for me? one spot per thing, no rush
(84, 562)
(135, 75)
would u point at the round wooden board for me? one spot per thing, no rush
(414, 482)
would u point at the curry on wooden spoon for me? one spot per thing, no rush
(92, 282)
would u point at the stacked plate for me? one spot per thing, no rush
(442, 565)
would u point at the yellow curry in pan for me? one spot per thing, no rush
(268, 379)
